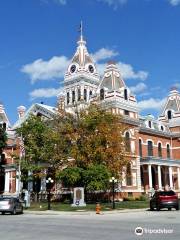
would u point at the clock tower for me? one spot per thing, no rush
(81, 78)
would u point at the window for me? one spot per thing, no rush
(85, 94)
(169, 114)
(159, 150)
(140, 147)
(67, 97)
(127, 142)
(168, 151)
(128, 175)
(79, 94)
(149, 124)
(150, 148)
(125, 94)
(162, 128)
(90, 93)
(73, 96)
(102, 94)
(126, 112)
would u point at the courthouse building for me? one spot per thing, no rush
(154, 143)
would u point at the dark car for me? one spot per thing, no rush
(164, 199)
(11, 205)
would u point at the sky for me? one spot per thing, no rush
(38, 39)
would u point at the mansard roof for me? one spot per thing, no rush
(112, 79)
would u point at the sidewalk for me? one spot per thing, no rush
(82, 212)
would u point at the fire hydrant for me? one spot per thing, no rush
(98, 208)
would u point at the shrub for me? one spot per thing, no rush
(129, 199)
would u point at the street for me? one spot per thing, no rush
(89, 226)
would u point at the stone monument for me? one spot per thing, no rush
(78, 197)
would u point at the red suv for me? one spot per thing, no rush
(164, 199)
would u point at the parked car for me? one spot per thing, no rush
(164, 199)
(11, 205)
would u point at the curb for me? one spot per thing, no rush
(52, 212)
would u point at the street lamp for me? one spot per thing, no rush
(49, 181)
(113, 180)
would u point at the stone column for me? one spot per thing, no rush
(159, 177)
(150, 176)
(178, 173)
(170, 177)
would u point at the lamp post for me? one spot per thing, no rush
(49, 181)
(113, 180)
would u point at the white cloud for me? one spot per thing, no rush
(44, 92)
(61, 2)
(174, 2)
(56, 66)
(114, 3)
(128, 72)
(139, 88)
(104, 53)
(151, 103)
(45, 70)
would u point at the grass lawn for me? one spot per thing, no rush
(90, 207)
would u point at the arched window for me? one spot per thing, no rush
(169, 114)
(162, 128)
(128, 175)
(127, 142)
(67, 97)
(159, 150)
(150, 148)
(102, 94)
(90, 93)
(168, 151)
(85, 94)
(73, 96)
(79, 94)
(140, 147)
(150, 124)
(125, 94)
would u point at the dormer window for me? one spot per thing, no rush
(149, 124)
(125, 94)
(102, 94)
(169, 114)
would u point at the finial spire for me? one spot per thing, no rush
(81, 40)
(81, 30)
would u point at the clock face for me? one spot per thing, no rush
(91, 69)
(73, 68)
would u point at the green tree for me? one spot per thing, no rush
(97, 139)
